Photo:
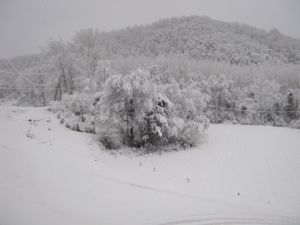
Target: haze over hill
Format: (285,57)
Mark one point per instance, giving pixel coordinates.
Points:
(27,25)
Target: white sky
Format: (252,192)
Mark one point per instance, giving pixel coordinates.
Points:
(26,25)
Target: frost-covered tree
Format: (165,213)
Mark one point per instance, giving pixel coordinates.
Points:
(103,71)
(188,99)
(85,46)
(127,99)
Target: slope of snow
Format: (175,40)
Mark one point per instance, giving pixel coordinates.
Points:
(52,175)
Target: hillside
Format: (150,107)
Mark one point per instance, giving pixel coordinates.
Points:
(203,38)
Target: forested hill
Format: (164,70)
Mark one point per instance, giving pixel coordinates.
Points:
(203,38)
(197,37)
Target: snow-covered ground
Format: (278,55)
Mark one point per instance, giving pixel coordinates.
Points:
(50,175)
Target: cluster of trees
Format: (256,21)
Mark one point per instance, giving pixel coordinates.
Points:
(33,77)
(261,102)
(138,110)
(169,104)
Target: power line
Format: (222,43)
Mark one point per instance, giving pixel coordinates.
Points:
(28,80)
(17,88)
(14,88)
(21,73)
(11,72)
(250,110)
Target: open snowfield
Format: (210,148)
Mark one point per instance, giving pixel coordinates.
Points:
(50,175)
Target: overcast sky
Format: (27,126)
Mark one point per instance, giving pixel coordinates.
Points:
(26,25)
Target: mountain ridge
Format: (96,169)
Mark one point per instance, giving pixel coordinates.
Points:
(201,37)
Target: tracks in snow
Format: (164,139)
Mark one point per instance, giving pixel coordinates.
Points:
(234,221)
(230,220)
(147,187)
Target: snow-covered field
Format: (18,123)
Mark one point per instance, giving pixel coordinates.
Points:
(50,175)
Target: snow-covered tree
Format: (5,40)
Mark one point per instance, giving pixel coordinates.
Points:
(127,99)
(85,46)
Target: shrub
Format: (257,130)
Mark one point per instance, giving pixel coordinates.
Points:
(78,103)
(76,111)
(109,132)
(296,124)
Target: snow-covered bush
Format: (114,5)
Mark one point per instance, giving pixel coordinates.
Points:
(279,121)
(188,133)
(76,111)
(78,103)
(110,132)
(296,124)
(141,112)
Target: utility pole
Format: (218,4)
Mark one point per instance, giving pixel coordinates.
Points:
(41,81)
(64,78)
(58,88)
(260,90)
